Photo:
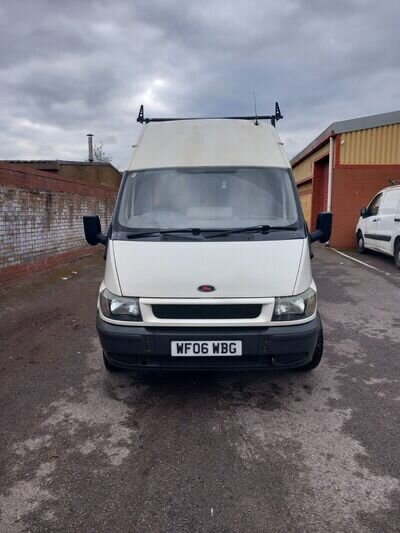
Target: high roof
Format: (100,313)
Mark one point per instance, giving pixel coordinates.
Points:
(208,143)
(346,126)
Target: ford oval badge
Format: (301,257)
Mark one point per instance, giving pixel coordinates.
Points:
(206,288)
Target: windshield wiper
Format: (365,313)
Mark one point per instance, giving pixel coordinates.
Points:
(197,232)
(194,231)
(251,229)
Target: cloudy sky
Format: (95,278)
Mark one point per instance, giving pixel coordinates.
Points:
(72,67)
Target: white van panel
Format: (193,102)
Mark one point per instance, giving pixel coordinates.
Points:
(110,274)
(241,269)
(304,276)
(208,143)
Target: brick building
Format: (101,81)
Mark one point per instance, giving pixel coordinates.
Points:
(342,169)
(41,214)
(90,172)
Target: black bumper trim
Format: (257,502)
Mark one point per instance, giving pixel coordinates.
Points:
(148,348)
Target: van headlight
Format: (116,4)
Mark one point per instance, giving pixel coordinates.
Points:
(295,307)
(119,307)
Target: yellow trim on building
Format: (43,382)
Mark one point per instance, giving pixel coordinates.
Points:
(305,193)
(305,168)
(374,146)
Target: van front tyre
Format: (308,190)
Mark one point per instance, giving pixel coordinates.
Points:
(316,359)
(397,254)
(360,243)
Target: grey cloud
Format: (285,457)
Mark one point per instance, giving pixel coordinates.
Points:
(70,67)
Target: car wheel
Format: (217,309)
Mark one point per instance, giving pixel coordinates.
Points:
(360,243)
(319,350)
(397,254)
(108,366)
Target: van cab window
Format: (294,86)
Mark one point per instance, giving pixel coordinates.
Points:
(374,205)
(390,202)
(207,198)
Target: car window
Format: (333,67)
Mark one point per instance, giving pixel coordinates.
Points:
(374,205)
(390,202)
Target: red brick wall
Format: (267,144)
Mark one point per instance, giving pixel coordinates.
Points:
(41,220)
(354,187)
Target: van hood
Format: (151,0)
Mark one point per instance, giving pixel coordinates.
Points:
(237,269)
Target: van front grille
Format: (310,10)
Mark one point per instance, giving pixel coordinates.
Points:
(206,311)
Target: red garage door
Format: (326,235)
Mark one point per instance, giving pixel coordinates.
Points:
(320,188)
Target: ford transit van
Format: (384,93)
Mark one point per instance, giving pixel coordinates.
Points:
(208,254)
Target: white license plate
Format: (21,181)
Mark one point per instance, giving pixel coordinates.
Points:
(205,348)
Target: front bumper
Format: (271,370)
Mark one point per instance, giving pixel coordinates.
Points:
(136,347)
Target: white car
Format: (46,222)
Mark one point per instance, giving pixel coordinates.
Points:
(379,225)
(208,255)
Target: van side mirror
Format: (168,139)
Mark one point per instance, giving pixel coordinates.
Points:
(92,227)
(364,212)
(324,228)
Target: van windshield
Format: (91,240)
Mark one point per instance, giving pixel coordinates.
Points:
(207,198)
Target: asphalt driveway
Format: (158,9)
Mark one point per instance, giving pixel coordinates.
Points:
(83,451)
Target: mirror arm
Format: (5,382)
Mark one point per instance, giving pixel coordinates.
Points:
(316,235)
(101,238)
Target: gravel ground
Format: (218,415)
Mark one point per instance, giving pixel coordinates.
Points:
(84,451)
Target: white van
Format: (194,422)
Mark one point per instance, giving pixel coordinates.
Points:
(379,225)
(208,254)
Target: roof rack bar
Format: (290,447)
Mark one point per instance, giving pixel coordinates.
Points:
(140,117)
(273,118)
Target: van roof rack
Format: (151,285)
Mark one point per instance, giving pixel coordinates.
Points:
(273,118)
